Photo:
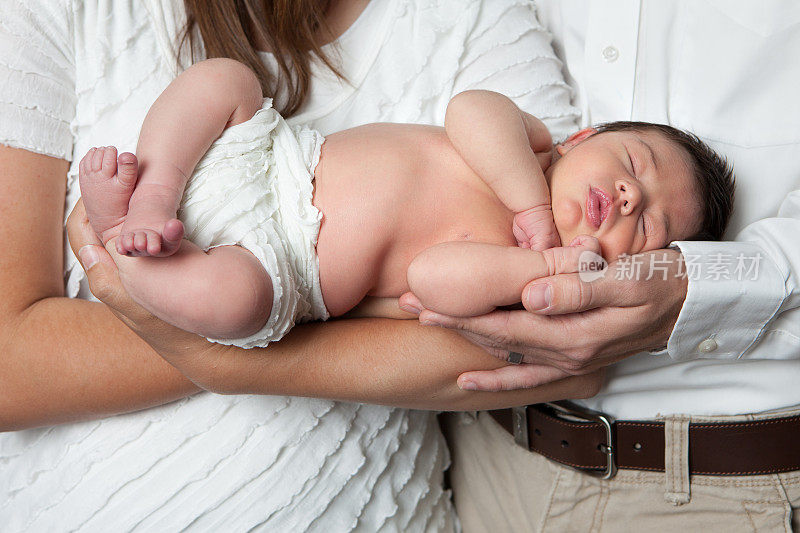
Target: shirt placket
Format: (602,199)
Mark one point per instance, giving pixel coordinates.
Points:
(610,55)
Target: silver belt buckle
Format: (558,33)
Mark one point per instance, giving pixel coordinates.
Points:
(588,415)
(519,421)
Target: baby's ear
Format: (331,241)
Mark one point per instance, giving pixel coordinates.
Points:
(574,140)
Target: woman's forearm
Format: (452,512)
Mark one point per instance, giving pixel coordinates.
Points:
(382,361)
(60,359)
(67,359)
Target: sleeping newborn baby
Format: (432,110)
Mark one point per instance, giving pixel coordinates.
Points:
(234,225)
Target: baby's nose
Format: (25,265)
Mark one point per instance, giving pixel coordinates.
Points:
(628,196)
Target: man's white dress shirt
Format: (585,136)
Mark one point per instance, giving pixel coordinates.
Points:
(729,71)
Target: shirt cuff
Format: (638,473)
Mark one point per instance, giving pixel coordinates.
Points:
(734,290)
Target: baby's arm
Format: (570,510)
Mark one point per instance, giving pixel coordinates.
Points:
(179,128)
(460,278)
(499,142)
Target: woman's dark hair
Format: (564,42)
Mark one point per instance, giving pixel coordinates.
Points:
(230,28)
(712,172)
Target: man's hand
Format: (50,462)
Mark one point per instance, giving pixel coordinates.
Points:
(571,326)
(535,228)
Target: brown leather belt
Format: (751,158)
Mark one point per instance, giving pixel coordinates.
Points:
(595,443)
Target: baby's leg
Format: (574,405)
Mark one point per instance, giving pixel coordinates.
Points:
(463,278)
(181,125)
(224,293)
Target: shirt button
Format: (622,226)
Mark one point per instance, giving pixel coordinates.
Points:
(610,54)
(707,346)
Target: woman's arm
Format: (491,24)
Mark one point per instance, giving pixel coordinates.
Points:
(393,362)
(382,361)
(61,359)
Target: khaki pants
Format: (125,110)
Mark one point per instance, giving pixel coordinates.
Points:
(500,487)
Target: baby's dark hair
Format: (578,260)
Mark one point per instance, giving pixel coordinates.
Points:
(712,172)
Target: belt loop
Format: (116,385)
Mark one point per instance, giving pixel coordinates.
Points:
(467,418)
(676,459)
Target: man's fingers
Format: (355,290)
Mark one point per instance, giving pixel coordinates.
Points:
(478,340)
(567,289)
(583,251)
(539,338)
(494,326)
(623,283)
(510,377)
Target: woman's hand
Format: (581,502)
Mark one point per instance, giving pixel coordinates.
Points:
(572,326)
(182,349)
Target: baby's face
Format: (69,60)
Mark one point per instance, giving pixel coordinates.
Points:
(634,191)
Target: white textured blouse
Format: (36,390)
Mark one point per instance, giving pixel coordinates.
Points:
(78,74)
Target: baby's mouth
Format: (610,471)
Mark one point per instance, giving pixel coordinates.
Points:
(598,205)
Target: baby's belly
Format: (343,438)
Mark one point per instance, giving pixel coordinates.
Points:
(467,215)
(384,200)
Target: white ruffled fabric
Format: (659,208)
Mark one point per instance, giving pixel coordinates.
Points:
(80,74)
(253,187)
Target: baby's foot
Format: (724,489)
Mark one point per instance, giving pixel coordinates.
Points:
(150,227)
(106,186)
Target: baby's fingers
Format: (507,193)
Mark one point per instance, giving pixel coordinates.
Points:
(588,242)
(569,259)
(545,240)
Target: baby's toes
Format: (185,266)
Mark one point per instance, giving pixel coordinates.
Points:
(154,244)
(109,162)
(128,169)
(125,244)
(140,240)
(86,163)
(173,230)
(119,246)
(97,159)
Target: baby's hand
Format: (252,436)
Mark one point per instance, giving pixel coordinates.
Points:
(535,228)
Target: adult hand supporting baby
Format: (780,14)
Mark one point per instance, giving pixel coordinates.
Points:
(169,341)
(571,326)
